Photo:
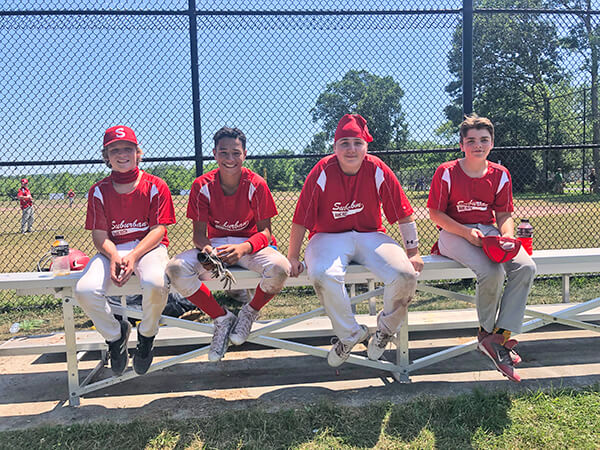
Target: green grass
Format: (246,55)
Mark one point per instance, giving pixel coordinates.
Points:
(554,419)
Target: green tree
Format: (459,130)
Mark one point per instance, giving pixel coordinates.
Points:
(280,174)
(319,145)
(374,97)
(584,38)
(516,71)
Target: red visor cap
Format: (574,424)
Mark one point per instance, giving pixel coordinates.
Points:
(500,249)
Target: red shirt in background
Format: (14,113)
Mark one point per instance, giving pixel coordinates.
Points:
(21,195)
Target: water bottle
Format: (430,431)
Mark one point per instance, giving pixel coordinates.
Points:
(525,235)
(60,257)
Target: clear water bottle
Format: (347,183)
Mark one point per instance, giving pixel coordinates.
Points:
(60,257)
(525,235)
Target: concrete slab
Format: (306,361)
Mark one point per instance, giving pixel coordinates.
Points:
(33,389)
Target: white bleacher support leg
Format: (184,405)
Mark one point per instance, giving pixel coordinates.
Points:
(353,294)
(402,355)
(372,300)
(71,344)
(565,288)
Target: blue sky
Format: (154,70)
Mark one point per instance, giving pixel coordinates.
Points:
(69,78)
(66,79)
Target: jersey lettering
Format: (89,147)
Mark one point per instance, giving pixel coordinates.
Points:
(339,211)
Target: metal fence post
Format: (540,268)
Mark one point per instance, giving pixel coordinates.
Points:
(467,56)
(195,87)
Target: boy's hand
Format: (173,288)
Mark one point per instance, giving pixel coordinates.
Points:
(231,253)
(297,267)
(415,259)
(209,251)
(474,237)
(127,263)
(116,270)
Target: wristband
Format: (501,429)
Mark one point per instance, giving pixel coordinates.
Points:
(258,241)
(409,234)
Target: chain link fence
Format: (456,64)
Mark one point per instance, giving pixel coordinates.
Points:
(284,74)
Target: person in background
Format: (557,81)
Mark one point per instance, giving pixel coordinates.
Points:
(71,196)
(26,202)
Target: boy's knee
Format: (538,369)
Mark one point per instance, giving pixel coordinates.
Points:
(406,281)
(176,269)
(530,269)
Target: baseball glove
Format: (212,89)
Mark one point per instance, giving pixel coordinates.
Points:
(217,268)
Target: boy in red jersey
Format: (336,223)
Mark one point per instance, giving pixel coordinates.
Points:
(340,204)
(231,208)
(26,202)
(128,213)
(471,198)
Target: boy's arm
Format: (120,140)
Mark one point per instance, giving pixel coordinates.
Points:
(108,248)
(444,221)
(412,253)
(231,253)
(200,238)
(506,224)
(296,238)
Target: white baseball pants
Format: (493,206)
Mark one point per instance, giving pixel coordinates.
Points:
(26,219)
(494,308)
(327,256)
(186,273)
(91,289)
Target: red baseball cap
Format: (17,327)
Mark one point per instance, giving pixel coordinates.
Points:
(119,133)
(24,180)
(353,126)
(500,249)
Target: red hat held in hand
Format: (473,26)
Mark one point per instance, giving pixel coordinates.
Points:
(353,126)
(119,133)
(500,249)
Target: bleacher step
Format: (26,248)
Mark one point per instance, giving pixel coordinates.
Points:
(89,340)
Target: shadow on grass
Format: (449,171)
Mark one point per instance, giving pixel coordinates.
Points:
(444,423)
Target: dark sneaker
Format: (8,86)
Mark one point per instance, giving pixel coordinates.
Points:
(492,347)
(144,352)
(510,344)
(220,341)
(118,350)
(340,352)
(378,343)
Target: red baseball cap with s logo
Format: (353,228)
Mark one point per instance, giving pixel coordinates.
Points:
(119,133)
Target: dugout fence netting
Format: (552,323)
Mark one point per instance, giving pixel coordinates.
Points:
(284,75)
